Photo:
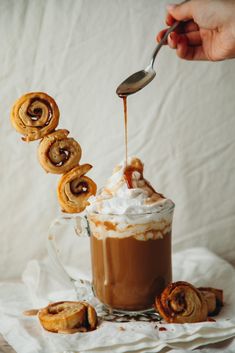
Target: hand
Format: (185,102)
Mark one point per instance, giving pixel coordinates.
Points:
(207,31)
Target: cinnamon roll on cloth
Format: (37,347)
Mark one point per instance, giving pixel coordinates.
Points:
(35,115)
(68,317)
(75,188)
(57,153)
(182,303)
(214,299)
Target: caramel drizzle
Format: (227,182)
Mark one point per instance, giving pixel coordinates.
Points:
(210,319)
(128,171)
(125,126)
(162,329)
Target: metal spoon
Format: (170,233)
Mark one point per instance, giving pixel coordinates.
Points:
(140,79)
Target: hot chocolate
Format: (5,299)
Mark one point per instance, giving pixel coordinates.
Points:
(130,226)
(128,273)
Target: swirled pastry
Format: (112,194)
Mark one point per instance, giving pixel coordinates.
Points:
(181,302)
(57,153)
(68,317)
(75,188)
(35,115)
(214,299)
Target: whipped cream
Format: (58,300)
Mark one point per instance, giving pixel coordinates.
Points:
(117,197)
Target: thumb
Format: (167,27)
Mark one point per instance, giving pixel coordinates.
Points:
(181,12)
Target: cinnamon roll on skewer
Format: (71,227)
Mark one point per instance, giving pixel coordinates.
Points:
(57,153)
(35,115)
(75,188)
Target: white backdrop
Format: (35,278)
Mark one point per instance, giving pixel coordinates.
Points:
(182,125)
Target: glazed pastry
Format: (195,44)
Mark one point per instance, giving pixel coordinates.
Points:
(181,302)
(57,153)
(214,299)
(35,115)
(74,189)
(91,316)
(210,301)
(68,317)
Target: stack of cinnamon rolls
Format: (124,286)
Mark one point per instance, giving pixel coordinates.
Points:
(36,116)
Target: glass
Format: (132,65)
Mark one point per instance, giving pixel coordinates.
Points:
(130,257)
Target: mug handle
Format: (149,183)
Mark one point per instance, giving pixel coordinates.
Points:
(81,228)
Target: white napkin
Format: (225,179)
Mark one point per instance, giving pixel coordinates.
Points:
(42,284)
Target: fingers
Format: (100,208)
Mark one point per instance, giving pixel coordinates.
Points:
(193,39)
(170,20)
(190,26)
(186,39)
(187,27)
(181,12)
(187,52)
(188,46)
(161,35)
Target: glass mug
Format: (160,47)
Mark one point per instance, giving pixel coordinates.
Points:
(130,256)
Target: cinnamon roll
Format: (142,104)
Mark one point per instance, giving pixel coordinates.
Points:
(35,115)
(181,302)
(214,299)
(75,188)
(57,153)
(68,317)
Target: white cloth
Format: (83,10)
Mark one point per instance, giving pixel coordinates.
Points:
(42,283)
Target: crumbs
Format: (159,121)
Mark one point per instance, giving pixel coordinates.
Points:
(121,328)
(162,329)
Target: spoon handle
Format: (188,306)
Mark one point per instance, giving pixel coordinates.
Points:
(158,47)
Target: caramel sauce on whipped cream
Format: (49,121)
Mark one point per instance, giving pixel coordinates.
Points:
(128,192)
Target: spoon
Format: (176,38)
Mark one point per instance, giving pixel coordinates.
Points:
(140,79)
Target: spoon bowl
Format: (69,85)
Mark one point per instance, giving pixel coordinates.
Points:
(140,79)
(136,82)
